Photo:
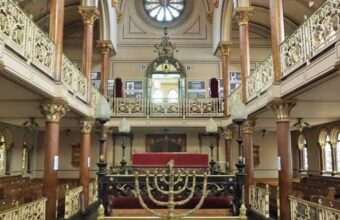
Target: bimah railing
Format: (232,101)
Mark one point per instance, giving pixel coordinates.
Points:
(93,192)
(28,211)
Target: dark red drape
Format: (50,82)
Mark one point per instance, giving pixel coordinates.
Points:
(214,88)
(119,88)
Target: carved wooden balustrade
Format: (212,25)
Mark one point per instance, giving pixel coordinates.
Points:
(317,33)
(142,107)
(306,210)
(72,201)
(25,38)
(74,80)
(235,95)
(28,211)
(259,200)
(29,42)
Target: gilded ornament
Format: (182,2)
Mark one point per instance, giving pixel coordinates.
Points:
(89,14)
(104,46)
(248,126)
(86,125)
(54,110)
(282,108)
(228,134)
(243,15)
(224,47)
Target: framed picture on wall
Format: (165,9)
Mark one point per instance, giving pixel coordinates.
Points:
(134,89)
(235,80)
(196,89)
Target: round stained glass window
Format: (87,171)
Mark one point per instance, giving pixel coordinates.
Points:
(164,11)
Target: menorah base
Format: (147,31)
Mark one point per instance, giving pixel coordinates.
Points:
(144,213)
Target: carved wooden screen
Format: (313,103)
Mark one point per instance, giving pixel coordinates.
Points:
(165,143)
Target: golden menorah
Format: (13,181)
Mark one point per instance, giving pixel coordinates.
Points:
(175,182)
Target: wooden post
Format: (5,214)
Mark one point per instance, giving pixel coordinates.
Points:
(281,109)
(89,15)
(57,34)
(248,128)
(277,35)
(242,15)
(224,47)
(228,137)
(53,111)
(85,142)
(104,46)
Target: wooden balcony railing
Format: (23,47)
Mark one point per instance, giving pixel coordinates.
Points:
(318,32)
(132,107)
(29,42)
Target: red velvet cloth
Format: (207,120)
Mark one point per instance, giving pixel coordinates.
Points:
(216,202)
(214,88)
(119,88)
(161,159)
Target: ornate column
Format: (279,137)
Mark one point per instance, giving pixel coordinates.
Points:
(85,143)
(104,46)
(277,35)
(228,137)
(89,15)
(281,109)
(248,128)
(53,111)
(322,153)
(242,15)
(224,47)
(57,34)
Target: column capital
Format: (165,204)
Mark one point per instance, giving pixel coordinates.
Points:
(224,47)
(281,108)
(86,125)
(89,14)
(243,14)
(248,126)
(104,46)
(53,110)
(228,134)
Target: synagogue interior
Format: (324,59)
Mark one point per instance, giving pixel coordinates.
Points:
(169,109)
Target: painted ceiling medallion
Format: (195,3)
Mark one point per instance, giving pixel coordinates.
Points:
(164,11)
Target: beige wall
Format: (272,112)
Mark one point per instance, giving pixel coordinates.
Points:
(17,134)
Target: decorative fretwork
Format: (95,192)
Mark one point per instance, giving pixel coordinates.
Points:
(261,79)
(129,106)
(95,95)
(235,95)
(14,26)
(166,107)
(93,192)
(28,211)
(72,201)
(43,51)
(259,200)
(306,210)
(74,80)
(317,33)
(204,107)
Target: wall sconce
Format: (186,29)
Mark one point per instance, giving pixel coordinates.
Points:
(119,13)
